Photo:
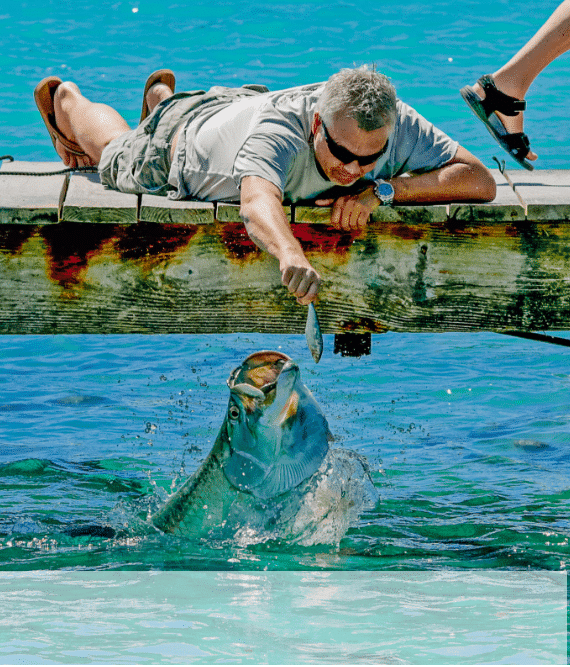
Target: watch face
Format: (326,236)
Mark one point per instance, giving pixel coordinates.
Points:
(385,190)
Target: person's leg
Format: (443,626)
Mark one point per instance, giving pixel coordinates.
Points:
(515,77)
(92,126)
(162,82)
(551,41)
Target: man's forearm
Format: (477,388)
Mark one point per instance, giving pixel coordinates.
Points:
(464,178)
(453,182)
(267,226)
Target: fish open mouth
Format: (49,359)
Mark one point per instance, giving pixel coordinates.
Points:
(260,370)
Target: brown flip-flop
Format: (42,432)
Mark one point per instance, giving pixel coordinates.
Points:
(43,94)
(165,76)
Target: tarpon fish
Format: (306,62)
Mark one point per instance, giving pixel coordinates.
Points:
(270,473)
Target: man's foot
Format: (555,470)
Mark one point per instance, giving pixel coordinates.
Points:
(160,85)
(156,94)
(501,114)
(66,147)
(513,124)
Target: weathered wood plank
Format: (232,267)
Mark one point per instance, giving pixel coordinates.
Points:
(546,193)
(153,278)
(164,210)
(230,212)
(456,267)
(505,207)
(390,214)
(30,199)
(411,214)
(87,200)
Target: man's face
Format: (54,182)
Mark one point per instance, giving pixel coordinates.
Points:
(345,139)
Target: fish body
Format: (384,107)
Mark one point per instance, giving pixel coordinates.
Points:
(270,473)
(313,334)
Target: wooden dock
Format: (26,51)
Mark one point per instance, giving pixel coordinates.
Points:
(78,258)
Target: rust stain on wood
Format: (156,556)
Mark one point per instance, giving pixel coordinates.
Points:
(69,248)
(237,244)
(406,232)
(150,240)
(207,278)
(312,237)
(364,324)
(68,253)
(318,238)
(13,237)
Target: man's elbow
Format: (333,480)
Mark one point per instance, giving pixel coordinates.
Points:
(484,187)
(477,181)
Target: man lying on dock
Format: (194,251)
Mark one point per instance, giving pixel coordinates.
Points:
(264,148)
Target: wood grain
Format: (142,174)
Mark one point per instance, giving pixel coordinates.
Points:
(155,278)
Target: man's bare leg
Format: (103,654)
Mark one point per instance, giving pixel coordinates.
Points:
(91,125)
(515,77)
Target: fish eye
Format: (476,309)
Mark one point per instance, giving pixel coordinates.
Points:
(233,412)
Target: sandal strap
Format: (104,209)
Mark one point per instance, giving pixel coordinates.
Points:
(71,146)
(495,100)
(518,143)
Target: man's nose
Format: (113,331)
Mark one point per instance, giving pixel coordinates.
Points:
(357,170)
(354,168)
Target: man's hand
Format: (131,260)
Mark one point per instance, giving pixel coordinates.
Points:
(351,212)
(301,280)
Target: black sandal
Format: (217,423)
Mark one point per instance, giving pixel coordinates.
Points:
(517,144)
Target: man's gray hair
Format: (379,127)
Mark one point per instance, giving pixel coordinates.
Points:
(361,93)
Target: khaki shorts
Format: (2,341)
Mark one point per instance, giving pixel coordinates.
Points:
(138,161)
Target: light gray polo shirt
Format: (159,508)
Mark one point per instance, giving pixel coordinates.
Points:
(269,135)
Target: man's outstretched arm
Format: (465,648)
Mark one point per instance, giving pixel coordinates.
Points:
(267,226)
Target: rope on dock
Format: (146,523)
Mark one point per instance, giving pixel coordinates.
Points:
(67,170)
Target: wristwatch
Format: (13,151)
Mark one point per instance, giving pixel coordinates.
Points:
(383,191)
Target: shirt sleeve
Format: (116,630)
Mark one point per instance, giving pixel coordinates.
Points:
(418,146)
(270,148)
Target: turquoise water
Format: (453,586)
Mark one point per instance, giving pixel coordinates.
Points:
(466,434)
(467,438)
(284,618)
(467,441)
(430,50)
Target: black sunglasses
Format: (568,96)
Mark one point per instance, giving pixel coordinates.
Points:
(345,156)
